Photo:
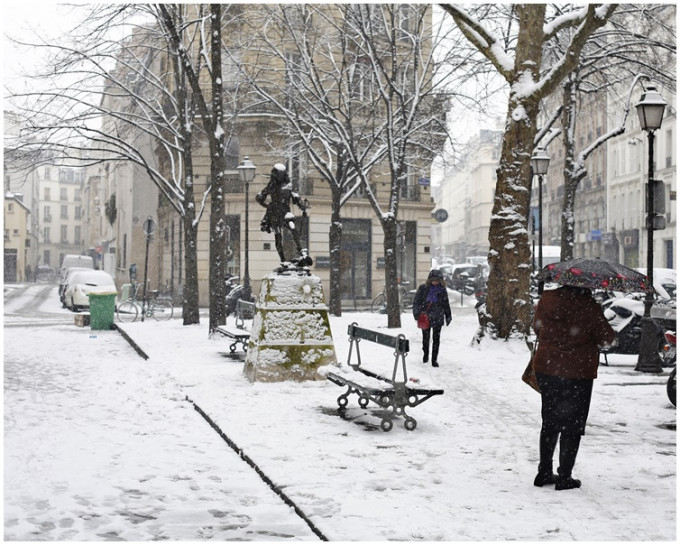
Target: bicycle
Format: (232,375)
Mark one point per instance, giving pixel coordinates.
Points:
(160,309)
(406,296)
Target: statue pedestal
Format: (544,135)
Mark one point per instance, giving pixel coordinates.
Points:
(291,335)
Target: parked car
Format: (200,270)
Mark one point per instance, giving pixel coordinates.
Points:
(66,277)
(87,281)
(461,276)
(664,282)
(45,273)
(70,261)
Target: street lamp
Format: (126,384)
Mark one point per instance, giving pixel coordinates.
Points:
(246,172)
(650,111)
(539,165)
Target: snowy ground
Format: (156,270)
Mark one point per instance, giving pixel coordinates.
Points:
(101,444)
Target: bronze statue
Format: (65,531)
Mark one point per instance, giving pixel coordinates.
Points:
(279,215)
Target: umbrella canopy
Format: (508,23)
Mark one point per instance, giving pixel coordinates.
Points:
(596,274)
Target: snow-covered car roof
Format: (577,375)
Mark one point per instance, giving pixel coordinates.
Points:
(89,276)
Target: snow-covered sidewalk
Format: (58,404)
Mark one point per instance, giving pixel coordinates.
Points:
(151,467)
(100,446)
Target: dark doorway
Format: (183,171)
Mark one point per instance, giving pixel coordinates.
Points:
(355,259)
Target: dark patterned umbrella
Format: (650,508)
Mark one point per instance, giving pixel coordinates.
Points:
(594,274)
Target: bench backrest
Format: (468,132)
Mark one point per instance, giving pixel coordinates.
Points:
(399,343)
(245,306)
(245,310)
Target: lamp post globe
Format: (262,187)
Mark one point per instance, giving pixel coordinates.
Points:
(539,165)
(540,161)
(650,111)
(246,172)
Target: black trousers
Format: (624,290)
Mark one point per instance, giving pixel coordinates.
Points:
(565,404)
(436,333)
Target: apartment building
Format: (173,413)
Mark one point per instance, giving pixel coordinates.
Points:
(467,194)
(16,240)
(257,133)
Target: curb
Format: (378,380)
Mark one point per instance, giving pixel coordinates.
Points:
(133,344)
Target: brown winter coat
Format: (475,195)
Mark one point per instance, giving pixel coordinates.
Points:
(570,326)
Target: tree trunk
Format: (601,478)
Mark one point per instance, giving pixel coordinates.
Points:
(334,247)
(389,225)
(190,297)
(218,239)
(508,300)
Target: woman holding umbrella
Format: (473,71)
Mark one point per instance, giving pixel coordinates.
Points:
(570,327)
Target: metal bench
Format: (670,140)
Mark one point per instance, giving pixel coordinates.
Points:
(388,393)
(245,310)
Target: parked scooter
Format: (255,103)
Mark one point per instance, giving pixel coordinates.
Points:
(625,315)
(234,291)
(669,359)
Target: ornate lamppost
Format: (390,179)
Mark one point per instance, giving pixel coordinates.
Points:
(539,165)
(246,172)
(650,111)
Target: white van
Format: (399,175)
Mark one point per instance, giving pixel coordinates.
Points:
(70,261)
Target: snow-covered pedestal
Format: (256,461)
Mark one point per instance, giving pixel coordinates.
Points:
(291,335)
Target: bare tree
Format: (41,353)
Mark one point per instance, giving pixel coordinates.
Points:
(518,58)
(636,42)
(360,92)
(102,100)
(217,129)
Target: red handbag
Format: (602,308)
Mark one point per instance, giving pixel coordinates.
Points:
(424,319)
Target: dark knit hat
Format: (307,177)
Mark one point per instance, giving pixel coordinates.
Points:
(435,273)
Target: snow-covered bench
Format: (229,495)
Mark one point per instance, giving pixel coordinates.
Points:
(245,310)
(388,393)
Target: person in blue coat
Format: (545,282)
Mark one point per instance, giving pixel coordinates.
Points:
(432,299)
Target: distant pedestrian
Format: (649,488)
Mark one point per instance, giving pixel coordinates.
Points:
(570,327)
(28,273)
(433,300)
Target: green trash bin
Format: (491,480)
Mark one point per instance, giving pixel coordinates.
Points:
(102,309)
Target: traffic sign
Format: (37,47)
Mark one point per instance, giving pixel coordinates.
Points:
(149,227)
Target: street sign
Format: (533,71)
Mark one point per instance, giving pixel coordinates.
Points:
(424,181)
(595,234)
(440,215)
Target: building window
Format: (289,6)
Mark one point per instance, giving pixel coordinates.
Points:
(64,211)
(76,194)
(10,207)
(47,194)
(46,234)
(76,234)
(63,194)
(64,233)
(77,212)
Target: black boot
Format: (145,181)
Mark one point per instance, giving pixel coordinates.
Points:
(546,449)
(569,445)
